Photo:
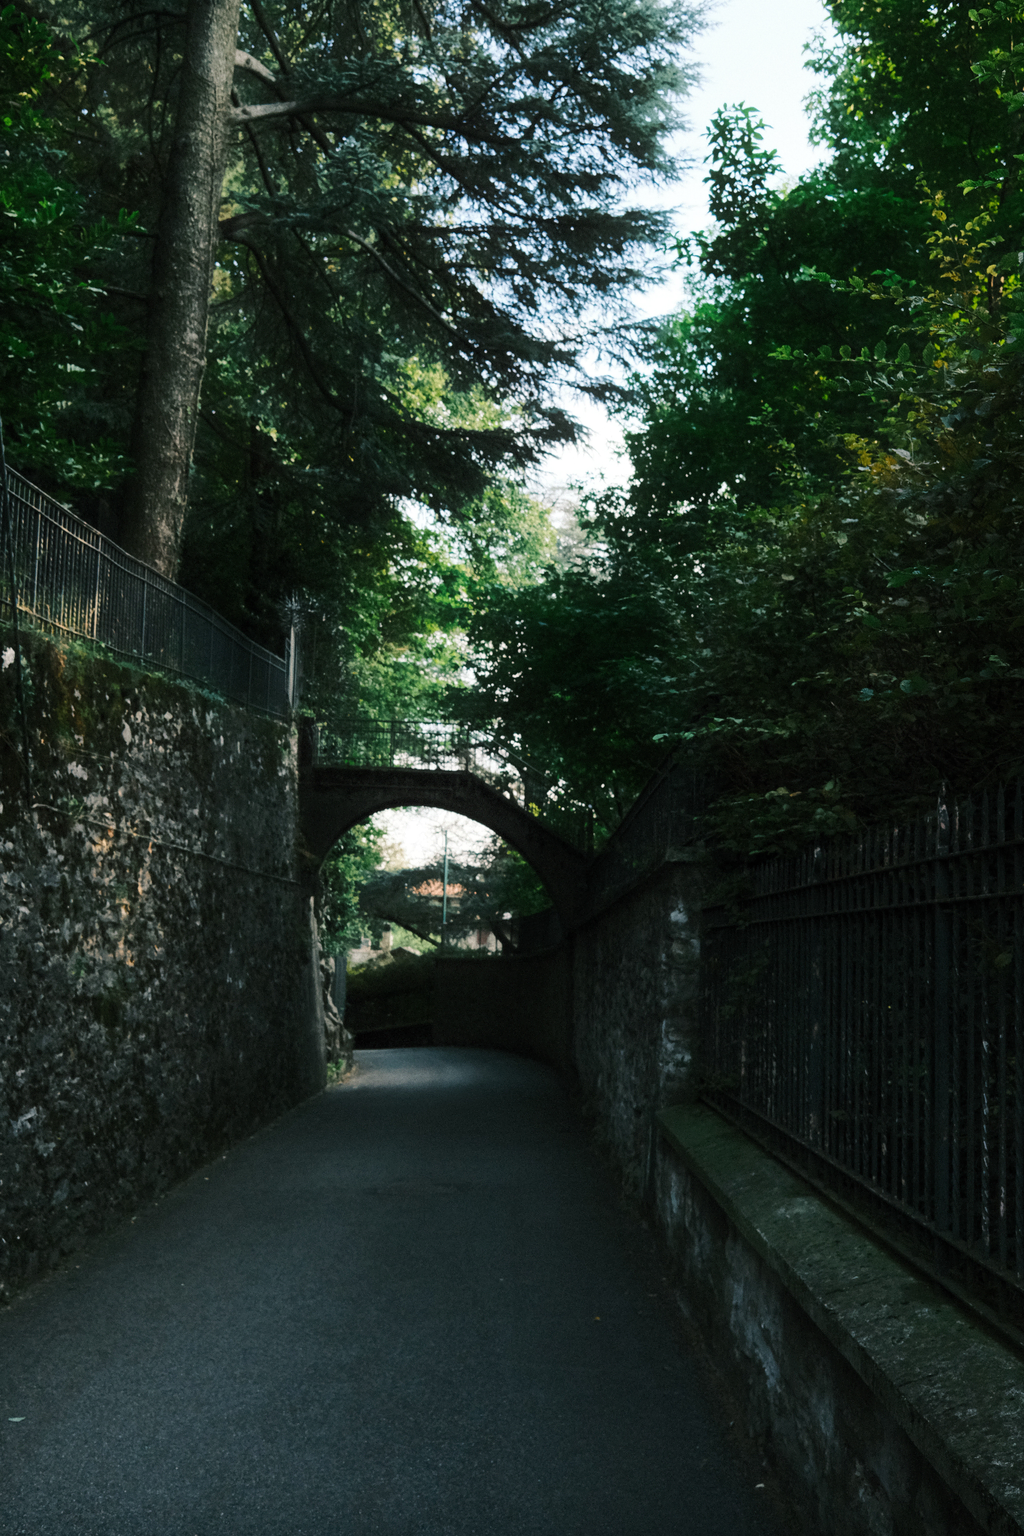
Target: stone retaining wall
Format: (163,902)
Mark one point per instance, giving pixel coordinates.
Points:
(516,1003)
(159,996)
(882,1401)
(634,970)
(884,1406)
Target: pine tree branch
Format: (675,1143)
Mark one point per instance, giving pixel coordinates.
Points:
(401,283)
(294,329)
(424,21)
(233,229)
(265,27)
(266,111)
(253,66)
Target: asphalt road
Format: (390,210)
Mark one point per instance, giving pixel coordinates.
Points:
(411,1307)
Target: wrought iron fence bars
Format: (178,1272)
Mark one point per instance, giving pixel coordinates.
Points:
(74,581)
(883,1042)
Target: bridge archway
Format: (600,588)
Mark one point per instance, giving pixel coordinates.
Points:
(332,799)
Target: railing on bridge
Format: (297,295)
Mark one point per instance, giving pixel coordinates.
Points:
(74,581)
(863,1014)
(356,742)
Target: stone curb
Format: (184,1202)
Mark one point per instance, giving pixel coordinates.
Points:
(953,1388)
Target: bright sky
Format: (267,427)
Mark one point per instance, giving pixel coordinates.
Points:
(420,834)
(752,52)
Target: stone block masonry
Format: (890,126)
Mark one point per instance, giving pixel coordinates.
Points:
(159,991)
(897,1410)
(634,969)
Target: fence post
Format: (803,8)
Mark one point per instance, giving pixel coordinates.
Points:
(96,593)
(35,566)
(942,963)
(292,663)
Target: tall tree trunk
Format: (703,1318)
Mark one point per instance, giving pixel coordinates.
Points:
(166,411)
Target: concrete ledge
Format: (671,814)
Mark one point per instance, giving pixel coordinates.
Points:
(954,1390)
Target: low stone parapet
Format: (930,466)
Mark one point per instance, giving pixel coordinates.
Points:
(886,1403)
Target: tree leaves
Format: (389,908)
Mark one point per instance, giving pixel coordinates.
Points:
(822,545)
(56,333)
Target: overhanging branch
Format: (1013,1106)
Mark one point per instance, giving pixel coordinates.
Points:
(263,22)
(294,329)
(234,229)
(253,66)
(267,111)
(400,281)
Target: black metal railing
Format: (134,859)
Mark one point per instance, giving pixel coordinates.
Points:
(863,1012)
(357,742)
(74,581)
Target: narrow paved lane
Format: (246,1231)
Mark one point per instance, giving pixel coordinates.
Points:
(410,1307)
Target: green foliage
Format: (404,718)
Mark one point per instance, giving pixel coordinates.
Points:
(916,94)
(812,588)
(513,885)
(738,181)
(784,269)
(384,630)
(55,329)
(909,100)
(403,271)
(404,938)
(353,859)
(479,896)
(563,670)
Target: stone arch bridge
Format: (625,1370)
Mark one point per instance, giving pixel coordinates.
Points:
(349,770)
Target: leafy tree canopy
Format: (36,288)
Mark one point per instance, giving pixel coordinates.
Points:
(483,894)
(425,210)
(359,893)
(812,586)
(55,333)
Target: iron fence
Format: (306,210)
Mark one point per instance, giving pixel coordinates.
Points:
(74,581)
(863,1012)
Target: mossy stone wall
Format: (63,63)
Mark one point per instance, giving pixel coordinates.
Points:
(159,993)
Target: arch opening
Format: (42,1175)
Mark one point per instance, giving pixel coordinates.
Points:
(334,799)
